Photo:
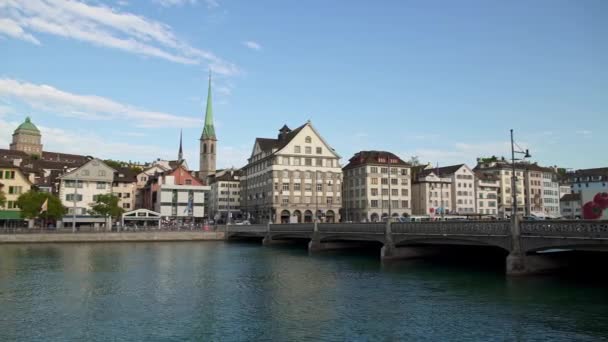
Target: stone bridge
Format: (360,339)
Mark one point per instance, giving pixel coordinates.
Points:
(412,239)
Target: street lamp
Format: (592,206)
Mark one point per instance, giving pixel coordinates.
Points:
(515,223)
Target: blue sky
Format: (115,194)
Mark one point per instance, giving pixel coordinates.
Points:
(442,80)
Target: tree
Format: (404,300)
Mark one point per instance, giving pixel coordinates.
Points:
(106,205)
(31,204)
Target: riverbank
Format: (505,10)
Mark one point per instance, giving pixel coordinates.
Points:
(110,237)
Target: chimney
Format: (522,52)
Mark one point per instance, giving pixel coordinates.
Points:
(283,132)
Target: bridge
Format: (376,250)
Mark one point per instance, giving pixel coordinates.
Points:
(525,242)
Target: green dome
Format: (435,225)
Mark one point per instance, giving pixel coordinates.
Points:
(27,127)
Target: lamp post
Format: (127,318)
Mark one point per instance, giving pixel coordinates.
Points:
(514,219)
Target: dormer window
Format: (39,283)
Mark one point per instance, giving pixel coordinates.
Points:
(308,140)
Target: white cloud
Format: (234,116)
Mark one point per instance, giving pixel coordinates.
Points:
(459,153)
(88,107)
(103,26)
(252,45)
(172,3)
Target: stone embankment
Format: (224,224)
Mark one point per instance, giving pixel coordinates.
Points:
(110,237)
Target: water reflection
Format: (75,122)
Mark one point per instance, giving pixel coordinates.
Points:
(243,292)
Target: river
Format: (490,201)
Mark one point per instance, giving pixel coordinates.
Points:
(218,291)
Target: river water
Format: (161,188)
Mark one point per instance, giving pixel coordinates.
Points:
(245,292)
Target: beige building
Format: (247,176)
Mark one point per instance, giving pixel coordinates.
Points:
(462,188)
(371,192)
(431,194)
(124,187)
(27,138)
(290,178)
(225,195)
(487,187)
(79,187)
(12,183)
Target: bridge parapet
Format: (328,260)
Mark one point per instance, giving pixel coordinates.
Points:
(254,228)
(453,228)
(293,227)
(571,228)
(374,228)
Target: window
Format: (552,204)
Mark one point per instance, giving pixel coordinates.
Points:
(296,161)
(405,204)
(319,150)
(384,170)
(126,195)
(16,190)
(308,140)
(374,181)
(394,181)
(70,197)
(330,200)
(296,186)
(188,181)
(9,174)
(394,192)
(285,160)
(384,192)
(285,201)
(285,174)
(374,192)
(285,186)
(373,169)
(101,173)
(404,172)
(307,186)
(101,185)
(126,205)
(85,172)
(374,203)
(404,192)
(296,149)
(395,204)
(319,187)
(307,161)
(319,162)
(308,150)
(384,181)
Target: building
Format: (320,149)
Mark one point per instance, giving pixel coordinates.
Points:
(79,187)
(124,187)
(570,206)
(592,186)
(208,144)
(487,187)
(27,138)
(462,188)
(370,192)
(13,182)
(225,195)
(431,193)
(292,177)
(176,195)
(551,193)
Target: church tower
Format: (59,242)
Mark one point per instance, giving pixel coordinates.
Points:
(208,147)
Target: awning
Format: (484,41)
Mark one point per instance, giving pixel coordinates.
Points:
(10,215)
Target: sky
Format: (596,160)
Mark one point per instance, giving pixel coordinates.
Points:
(441,80)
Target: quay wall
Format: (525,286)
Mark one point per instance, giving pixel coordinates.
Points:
(110,237)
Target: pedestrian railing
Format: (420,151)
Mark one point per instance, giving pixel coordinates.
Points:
(561,228)
(293,227)
(454,227)
(374,228)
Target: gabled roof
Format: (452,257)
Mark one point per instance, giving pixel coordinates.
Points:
(575,196)
(372,158)
(125,175)
(447,170)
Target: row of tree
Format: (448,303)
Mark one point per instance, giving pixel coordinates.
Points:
(32,205)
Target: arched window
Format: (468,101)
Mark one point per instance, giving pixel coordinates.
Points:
(308,140)
(204,148)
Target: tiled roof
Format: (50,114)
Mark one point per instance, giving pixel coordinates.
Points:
(601,171)
(372,158)
(128,175)
(268,144)
(447,170)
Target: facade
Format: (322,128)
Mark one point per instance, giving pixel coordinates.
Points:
(176,195)
(370,191)
(534,191)
(501,169)
(487,187)
(13,183)
(462,187)
(208,144)
(591,185)
(431,194)
(551,195)
(79,187)
(564,189)
(225,195)
(125,188)
(27,138)
(570,206)
(292,177)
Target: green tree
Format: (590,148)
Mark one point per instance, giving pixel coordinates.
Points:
(115,164)
(106,205)
(31,205)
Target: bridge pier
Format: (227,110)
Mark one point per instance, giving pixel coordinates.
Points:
(520,264)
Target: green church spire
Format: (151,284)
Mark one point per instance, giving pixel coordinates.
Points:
(209,130)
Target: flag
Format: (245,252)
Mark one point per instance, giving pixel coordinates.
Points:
(45,206)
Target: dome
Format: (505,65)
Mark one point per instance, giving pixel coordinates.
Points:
(27,127)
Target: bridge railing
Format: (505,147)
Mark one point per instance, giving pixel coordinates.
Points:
(453,227)
(570,228)
(293,227)
(254,228)
(374,228)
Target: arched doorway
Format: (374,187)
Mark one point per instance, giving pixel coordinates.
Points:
(307,216)
(285,216)
(330,217)
(374,217)
(384,217)
(298,215)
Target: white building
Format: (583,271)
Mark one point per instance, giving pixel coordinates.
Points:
(570,206)
(431,194)
(370,191)
(463,187)
(125,187)
(289,178)
(551,194)
(225,195)
(487,187)
(590,184)
(79,188)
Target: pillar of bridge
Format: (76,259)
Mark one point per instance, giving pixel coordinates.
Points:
(521,264)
